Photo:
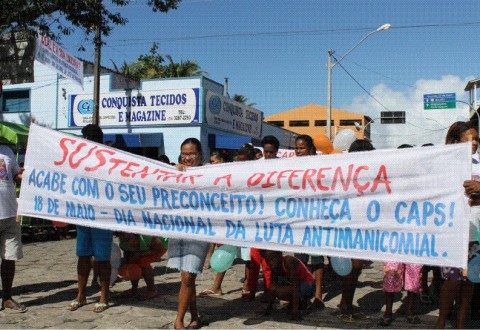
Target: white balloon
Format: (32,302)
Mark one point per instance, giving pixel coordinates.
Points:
(344,139)
(115,256)
(115,261)
(113,276)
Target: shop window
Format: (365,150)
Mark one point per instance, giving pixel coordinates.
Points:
(299,123)
(392,117)
(16,101)
(323,123)
(279,123)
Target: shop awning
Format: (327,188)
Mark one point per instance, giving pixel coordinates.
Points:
(13,133)
(134,140)
(218,141)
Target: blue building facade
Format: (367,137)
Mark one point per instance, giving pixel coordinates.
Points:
(149,118)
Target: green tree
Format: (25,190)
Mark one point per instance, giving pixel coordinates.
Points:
(124,69)
(151,66)
(57,17)
(183,69)
(147,66)
(242,99)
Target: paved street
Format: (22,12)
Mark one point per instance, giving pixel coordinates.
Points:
(46,282)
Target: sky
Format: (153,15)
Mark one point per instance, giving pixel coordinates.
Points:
(274,52)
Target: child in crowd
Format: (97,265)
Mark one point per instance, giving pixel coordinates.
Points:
(291,281)
(139,252)
(395,276)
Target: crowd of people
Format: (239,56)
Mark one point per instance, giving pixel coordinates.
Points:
(295,279)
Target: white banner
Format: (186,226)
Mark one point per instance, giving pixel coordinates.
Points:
(406,205)
(224,113)
(175,106)
(50,53)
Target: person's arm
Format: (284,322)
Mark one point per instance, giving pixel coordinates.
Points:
(472,190)
(206,265)
(291,265)
(270,297)
(474,201)
(18,176)
(472,187)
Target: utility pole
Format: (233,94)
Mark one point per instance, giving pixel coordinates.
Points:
(329,94)
(331,64)
(96,76)
(97,64)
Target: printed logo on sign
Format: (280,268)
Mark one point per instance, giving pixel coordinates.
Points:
(85,107)
(215,104)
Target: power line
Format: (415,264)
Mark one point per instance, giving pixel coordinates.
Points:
(245,34)
(360,85)
(380,103)
(287,33)
(380,74)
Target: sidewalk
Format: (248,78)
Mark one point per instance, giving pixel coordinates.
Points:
(46,282)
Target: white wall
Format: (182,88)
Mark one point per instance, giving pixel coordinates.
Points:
(424,126)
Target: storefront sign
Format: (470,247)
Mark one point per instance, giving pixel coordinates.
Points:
(176,106)
(387,205)
(224,113)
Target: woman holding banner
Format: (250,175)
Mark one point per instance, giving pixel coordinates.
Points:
(188,256)
(456,282)
(304,147)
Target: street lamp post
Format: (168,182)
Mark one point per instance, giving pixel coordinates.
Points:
(331,65)
(359,127)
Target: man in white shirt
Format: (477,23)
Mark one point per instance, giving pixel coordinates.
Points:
(10,231)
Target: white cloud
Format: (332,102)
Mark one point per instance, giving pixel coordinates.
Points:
(422,126)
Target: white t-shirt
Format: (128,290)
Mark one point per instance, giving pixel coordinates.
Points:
(8,169)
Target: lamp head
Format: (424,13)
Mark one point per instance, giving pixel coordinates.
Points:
(384,27)
(358,126)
